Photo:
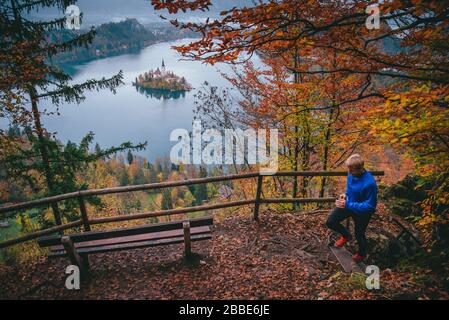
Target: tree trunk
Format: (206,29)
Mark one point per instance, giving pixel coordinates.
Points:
(328,129)
(44,153)
(296,80)
(326,152)
(38,126)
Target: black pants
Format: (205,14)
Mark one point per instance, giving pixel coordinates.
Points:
(360,220)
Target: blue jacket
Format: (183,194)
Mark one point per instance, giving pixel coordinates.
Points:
(361,193)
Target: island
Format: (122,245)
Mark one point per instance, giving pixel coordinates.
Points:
(162,79)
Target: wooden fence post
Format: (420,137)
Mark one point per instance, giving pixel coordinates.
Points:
(74,256)
(84,217)
(80,195)
(187,244)
(57,214)
(258,192)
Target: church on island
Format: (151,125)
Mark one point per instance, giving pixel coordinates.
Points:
(162,79)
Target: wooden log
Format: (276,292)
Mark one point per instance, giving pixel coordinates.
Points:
(84,216)
(171,184)
(142,187)
(56,213)
(128,231)
(319,173)
(160,185)
(187,243)
(85,262)
(257,200)
(132,245)
(38,234)
(86,222)
(73,255)
(345,259)
(118,218)
(170,212)
(133,239)
(296,200)
(39,202)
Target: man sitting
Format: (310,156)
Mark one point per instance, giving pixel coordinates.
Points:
(359,202)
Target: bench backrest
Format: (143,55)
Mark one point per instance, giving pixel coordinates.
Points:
(122,232)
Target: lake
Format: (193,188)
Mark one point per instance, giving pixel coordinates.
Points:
(131,115)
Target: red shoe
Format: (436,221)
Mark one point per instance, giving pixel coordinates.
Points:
(357,258)
(341,242)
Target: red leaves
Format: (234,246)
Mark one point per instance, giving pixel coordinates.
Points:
(173,6)
(283,257)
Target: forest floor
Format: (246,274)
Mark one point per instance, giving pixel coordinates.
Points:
(283,256)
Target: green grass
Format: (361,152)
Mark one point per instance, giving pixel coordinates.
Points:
(148,200)
(12,231)
(197,214)
(7,233)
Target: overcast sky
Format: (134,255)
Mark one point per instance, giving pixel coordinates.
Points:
(102,11)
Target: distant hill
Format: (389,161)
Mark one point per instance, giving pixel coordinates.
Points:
(114,39)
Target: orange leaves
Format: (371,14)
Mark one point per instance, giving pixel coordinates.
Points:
(230,56)
(215,32)
(174,5)
(336,63)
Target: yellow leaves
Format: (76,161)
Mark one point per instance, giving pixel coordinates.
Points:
(394,98)
(443,199)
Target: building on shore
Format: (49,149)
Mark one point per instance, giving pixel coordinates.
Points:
(162,79)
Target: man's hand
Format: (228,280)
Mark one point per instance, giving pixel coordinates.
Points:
(340,203)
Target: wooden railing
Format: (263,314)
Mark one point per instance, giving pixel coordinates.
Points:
(86,222)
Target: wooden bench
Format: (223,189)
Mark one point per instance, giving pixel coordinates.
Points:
(78,246)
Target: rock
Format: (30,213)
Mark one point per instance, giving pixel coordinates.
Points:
(388,250)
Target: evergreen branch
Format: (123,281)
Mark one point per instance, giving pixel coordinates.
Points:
(83,40)
(74,93)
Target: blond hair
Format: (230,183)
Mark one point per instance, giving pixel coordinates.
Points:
(355,161)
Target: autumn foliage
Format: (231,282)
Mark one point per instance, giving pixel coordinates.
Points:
(350,85)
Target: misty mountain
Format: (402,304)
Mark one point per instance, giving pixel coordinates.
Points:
(114,38)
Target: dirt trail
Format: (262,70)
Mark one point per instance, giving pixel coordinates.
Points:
(283,256)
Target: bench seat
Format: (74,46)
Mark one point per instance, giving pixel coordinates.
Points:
(132,242)
(78,246)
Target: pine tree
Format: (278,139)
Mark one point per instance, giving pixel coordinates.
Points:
(124,177)
(130,157)
(167,202)
(27,51)
(201,189)
(139,177)
(97,148)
